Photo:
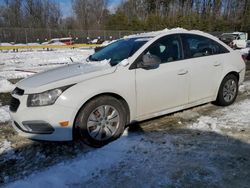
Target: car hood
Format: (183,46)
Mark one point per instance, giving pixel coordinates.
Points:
(66,75)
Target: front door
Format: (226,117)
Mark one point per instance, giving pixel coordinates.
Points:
(164,87)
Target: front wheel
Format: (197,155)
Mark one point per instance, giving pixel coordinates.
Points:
(228,91)
(101,121)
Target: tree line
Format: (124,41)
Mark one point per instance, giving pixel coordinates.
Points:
(139,15)
(30,14)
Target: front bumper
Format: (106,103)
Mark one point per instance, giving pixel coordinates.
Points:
(42,123)
(35,127)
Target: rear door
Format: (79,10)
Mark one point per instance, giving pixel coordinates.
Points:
(204,58)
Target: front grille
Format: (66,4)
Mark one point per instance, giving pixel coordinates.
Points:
(18,91)
(14,104)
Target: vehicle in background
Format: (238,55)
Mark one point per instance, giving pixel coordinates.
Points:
(240,41)
(227,38)
(95,41)
(60,41)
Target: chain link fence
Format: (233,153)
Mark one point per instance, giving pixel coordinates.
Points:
(32,35)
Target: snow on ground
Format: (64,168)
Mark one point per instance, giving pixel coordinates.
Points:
(236,116)
(82,167)
(5,44)
(22,64)
(5,86)
(244,50)
(245,87)
(5,148)
(129,159)
(145,160)
(4,114)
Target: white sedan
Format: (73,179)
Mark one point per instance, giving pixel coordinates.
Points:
(133,79)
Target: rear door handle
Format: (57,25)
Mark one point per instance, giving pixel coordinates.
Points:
(216,64)
(182,72)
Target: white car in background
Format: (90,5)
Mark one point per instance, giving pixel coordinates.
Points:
(60,41)
(240,40)
(132,79)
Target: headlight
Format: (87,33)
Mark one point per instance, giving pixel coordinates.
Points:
(46,98)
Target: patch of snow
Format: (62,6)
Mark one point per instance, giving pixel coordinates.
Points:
(245,87)
(81,168)
(4,114)
(4,147)
(5,86)
(13,74)
(24,64)
(102,64)
(244,51)
(20,44)
(5,44)
(235,116)
(205,123)
(57,43)
(7,151)
(33,44)
(155,33)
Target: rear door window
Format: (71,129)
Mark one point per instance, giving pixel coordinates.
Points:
(199,46)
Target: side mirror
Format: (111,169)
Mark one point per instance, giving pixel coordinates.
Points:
(150,61)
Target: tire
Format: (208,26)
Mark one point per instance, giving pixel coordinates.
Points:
(100,121)
(228,91)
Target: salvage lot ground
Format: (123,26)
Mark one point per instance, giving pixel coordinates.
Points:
(203,146)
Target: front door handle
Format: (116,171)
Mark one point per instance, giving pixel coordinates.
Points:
(182,72)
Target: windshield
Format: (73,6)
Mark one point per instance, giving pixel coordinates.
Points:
(119,50)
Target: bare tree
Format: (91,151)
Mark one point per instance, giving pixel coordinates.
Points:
(41,13)
(12,13)
(89,13)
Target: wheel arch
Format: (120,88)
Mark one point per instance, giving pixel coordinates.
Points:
(120,98)
(229,73)
(233,73)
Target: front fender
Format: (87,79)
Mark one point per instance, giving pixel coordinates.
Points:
(121,83)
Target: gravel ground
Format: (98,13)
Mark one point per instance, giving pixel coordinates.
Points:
(226,164)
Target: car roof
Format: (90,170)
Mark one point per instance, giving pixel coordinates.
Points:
(164,32)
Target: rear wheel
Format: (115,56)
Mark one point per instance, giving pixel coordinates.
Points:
(228,91)
(101,121)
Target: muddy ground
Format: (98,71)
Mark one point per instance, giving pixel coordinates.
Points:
(227,154)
